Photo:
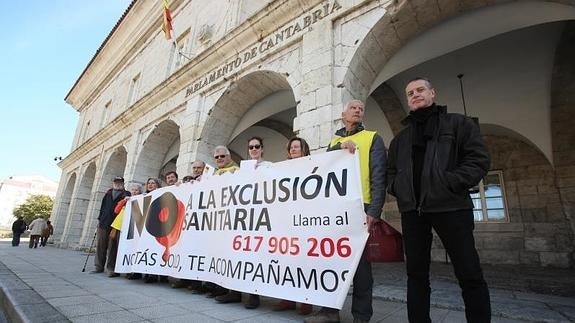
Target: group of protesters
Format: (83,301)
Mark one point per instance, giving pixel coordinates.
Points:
(40,230)
(430,167)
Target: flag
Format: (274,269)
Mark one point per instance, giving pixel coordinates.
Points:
(167,25)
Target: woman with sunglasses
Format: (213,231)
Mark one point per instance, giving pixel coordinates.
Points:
(296,148)
(256,151)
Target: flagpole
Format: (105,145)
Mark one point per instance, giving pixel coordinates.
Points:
(168,28)
(178,49)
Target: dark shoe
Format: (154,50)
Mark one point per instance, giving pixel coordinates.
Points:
(113,274)
(97,271)
(151,279)
(197,289)
(284,305)
(163,279)
(323,316)
(134,276)
(230,297)
(177,283)
(253,302)
(218,291)
(193,284)
(305,309)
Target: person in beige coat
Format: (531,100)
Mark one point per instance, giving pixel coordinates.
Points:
(36,228)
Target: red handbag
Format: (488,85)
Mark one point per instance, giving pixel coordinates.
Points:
(384,244)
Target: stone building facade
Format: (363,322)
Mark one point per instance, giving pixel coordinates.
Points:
(276,68)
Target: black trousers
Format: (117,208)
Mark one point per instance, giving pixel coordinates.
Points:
(34,240)
(455,229)
(361,300)
(362,297)
(15,238)
(112,252)
(102,236)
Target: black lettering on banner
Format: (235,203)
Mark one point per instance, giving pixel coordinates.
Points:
(340,187)
(138,219)
(244,201)
(284,189)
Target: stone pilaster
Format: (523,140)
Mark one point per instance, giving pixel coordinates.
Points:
(563,132)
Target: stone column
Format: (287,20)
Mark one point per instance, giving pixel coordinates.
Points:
(314,111)
(563,132)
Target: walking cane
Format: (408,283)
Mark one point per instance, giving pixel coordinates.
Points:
(89,250)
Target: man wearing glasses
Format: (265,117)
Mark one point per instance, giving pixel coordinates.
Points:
(371,149)
(224,162)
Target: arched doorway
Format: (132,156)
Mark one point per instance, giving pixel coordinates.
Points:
(259,104)
(114,166)
(60,216)
(159,152)
(79,207)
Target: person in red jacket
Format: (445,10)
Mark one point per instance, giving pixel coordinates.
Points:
(114,238)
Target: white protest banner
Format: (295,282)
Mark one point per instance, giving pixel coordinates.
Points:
(295,230)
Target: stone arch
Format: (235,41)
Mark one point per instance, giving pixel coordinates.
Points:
(442,48)
(60,216)
(405,20)
(115,165)
(249,106)
(79,207)
(562,116)
(390,104)
(159,152)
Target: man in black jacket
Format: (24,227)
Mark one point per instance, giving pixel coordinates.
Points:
(105,219)
(432,164)
(18,227)
(371,150)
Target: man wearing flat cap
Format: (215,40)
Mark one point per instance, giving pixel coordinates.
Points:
(105,219)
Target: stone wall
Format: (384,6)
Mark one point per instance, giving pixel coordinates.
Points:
(538,232)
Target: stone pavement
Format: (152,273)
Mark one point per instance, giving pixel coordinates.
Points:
(47,285)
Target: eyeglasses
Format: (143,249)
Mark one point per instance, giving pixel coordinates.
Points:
(219,156)
(254,147)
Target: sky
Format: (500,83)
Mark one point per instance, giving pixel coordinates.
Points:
(45,46)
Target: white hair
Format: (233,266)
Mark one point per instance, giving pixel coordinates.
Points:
(221,147)
(347,105)
(137,186)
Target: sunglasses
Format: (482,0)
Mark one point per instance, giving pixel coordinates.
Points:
(219,156)
(254,147)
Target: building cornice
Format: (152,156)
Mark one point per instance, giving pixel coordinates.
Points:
(137,25)
(267,20)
